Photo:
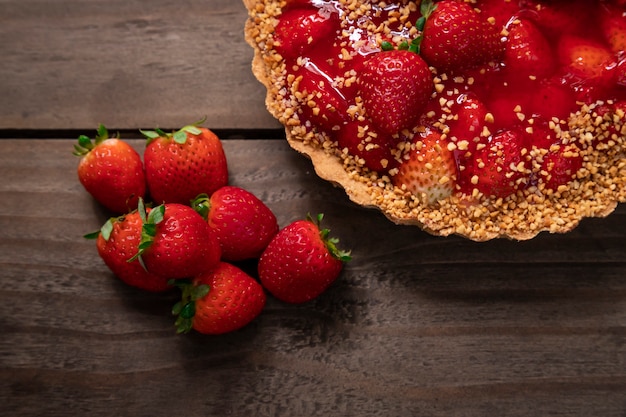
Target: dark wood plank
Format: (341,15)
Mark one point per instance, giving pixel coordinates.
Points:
(416,325)
(73,64)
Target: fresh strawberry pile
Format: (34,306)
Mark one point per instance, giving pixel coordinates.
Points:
(479,117)
(177,223)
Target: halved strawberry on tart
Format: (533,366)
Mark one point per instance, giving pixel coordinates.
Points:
(483,118)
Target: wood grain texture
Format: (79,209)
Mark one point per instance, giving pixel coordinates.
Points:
(415,326)
(71,64)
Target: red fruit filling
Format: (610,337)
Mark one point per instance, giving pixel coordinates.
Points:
(507,84)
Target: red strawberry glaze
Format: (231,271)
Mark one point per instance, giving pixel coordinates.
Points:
(546,67)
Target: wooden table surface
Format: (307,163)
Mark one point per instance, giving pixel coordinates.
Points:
(415,326)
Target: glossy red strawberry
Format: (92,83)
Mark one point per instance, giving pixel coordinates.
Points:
(588,67)
(323,105)
(242,223)
(302,28)
(117,242)
(428,170)
(217,302)
(111,171)
(470,118)
(558,17)
(456,36)
(176,242)
(499,166)
(502,11)
(395,87)
(527,51)
(560,166)
(181,165)
(301,262)
(613,27)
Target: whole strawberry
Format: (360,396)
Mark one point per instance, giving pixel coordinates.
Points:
(455,36)
(111,171)
(181,165)
(117,242)
(242,223)
(395,86)
(220,301)
(301,262)
(176,242)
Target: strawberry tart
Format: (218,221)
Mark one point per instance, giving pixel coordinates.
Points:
(482,118)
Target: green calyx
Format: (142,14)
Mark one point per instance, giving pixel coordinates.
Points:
(148,229)
(427,7)
(185,309)
(105,230)
(179,136)
(330,242)
(202,205)
(86,144)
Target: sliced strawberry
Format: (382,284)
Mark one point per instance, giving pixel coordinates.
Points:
(509,104)
(551,98)
(499,168)
(560,167)
(527,52)
(372,148)
(469,121)
(588,67)
(323,105)
(299,29)
(428,170)
(456,36)
(556,17)
(502,11)
(540,134)
(395,87)
(613,27)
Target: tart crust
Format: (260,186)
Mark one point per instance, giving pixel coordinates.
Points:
(596,193)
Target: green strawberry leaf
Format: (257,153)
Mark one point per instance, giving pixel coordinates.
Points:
(427,7)
(107,228)
(179,136)
(156,215)
(193,129)
(92,235)
(199,291)
(202,205)
(148,229)
(185,309)
(330,242)
(150,134)
(188,310)
(103,133)
(177,308)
